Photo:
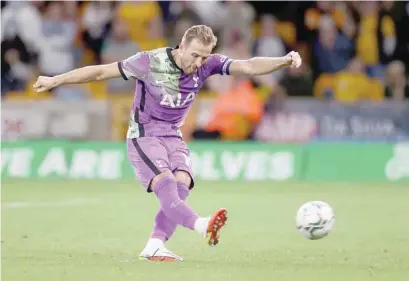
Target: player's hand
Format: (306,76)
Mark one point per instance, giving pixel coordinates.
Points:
(294,59)
(45,83)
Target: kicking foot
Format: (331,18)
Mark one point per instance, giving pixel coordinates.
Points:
(160,254)
(216,222)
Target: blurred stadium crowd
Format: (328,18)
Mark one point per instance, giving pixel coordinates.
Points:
(352,51)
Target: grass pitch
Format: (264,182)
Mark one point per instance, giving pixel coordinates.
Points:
(93,230)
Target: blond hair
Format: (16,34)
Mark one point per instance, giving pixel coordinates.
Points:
(202,33)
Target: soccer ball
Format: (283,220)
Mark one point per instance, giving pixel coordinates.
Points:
(315,219)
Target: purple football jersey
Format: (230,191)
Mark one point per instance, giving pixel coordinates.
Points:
(164,93)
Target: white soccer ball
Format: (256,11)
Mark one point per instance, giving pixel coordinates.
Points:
(315,219)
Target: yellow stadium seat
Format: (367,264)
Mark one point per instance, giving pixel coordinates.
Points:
(153,44)
(339,17)
(120,107)
(256,29)
(97,89)
(31,94)
(16,95)
(323,83)
(312,18)
(264,92)
(353,87)
(376,91)
(138,15)
(88,57)
(287,32)
(24,95)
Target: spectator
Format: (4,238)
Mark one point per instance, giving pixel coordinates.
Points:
(97,21)
(270,45)
(236,120)
(19,72)
(211,13)
(58,35)
(71,92)
(14,60)
(23,19)
(400,14)
(119,46)
(396,84)
(179,30)
(239,50)
(142,16)
(165,7)
(156,31)
(376,41)
(332,51)
(353,84)
(314,15)
(339,14)
(237,22)
(186,10)
(15,52)
(298,82)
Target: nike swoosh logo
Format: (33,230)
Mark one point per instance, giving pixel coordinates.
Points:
(160,82)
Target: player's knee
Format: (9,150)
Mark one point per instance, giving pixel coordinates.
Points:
(183,177)
(161,176)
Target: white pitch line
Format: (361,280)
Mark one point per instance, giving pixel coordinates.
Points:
(64,203)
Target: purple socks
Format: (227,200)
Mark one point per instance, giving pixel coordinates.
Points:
(173,209)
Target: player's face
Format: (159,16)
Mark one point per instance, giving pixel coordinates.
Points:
(194,55)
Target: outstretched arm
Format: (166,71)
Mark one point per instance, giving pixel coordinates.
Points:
(77,76)
(264,65)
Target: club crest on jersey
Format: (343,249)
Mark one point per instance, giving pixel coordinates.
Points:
(196,79)
(176,100)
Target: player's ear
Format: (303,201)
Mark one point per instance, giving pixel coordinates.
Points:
(182,46)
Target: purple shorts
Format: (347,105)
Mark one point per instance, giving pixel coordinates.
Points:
(151,156)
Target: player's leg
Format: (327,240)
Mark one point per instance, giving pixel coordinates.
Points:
(149,158)
(176,210)
(165,187)
(181,165)
(164,228)
(172,212)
